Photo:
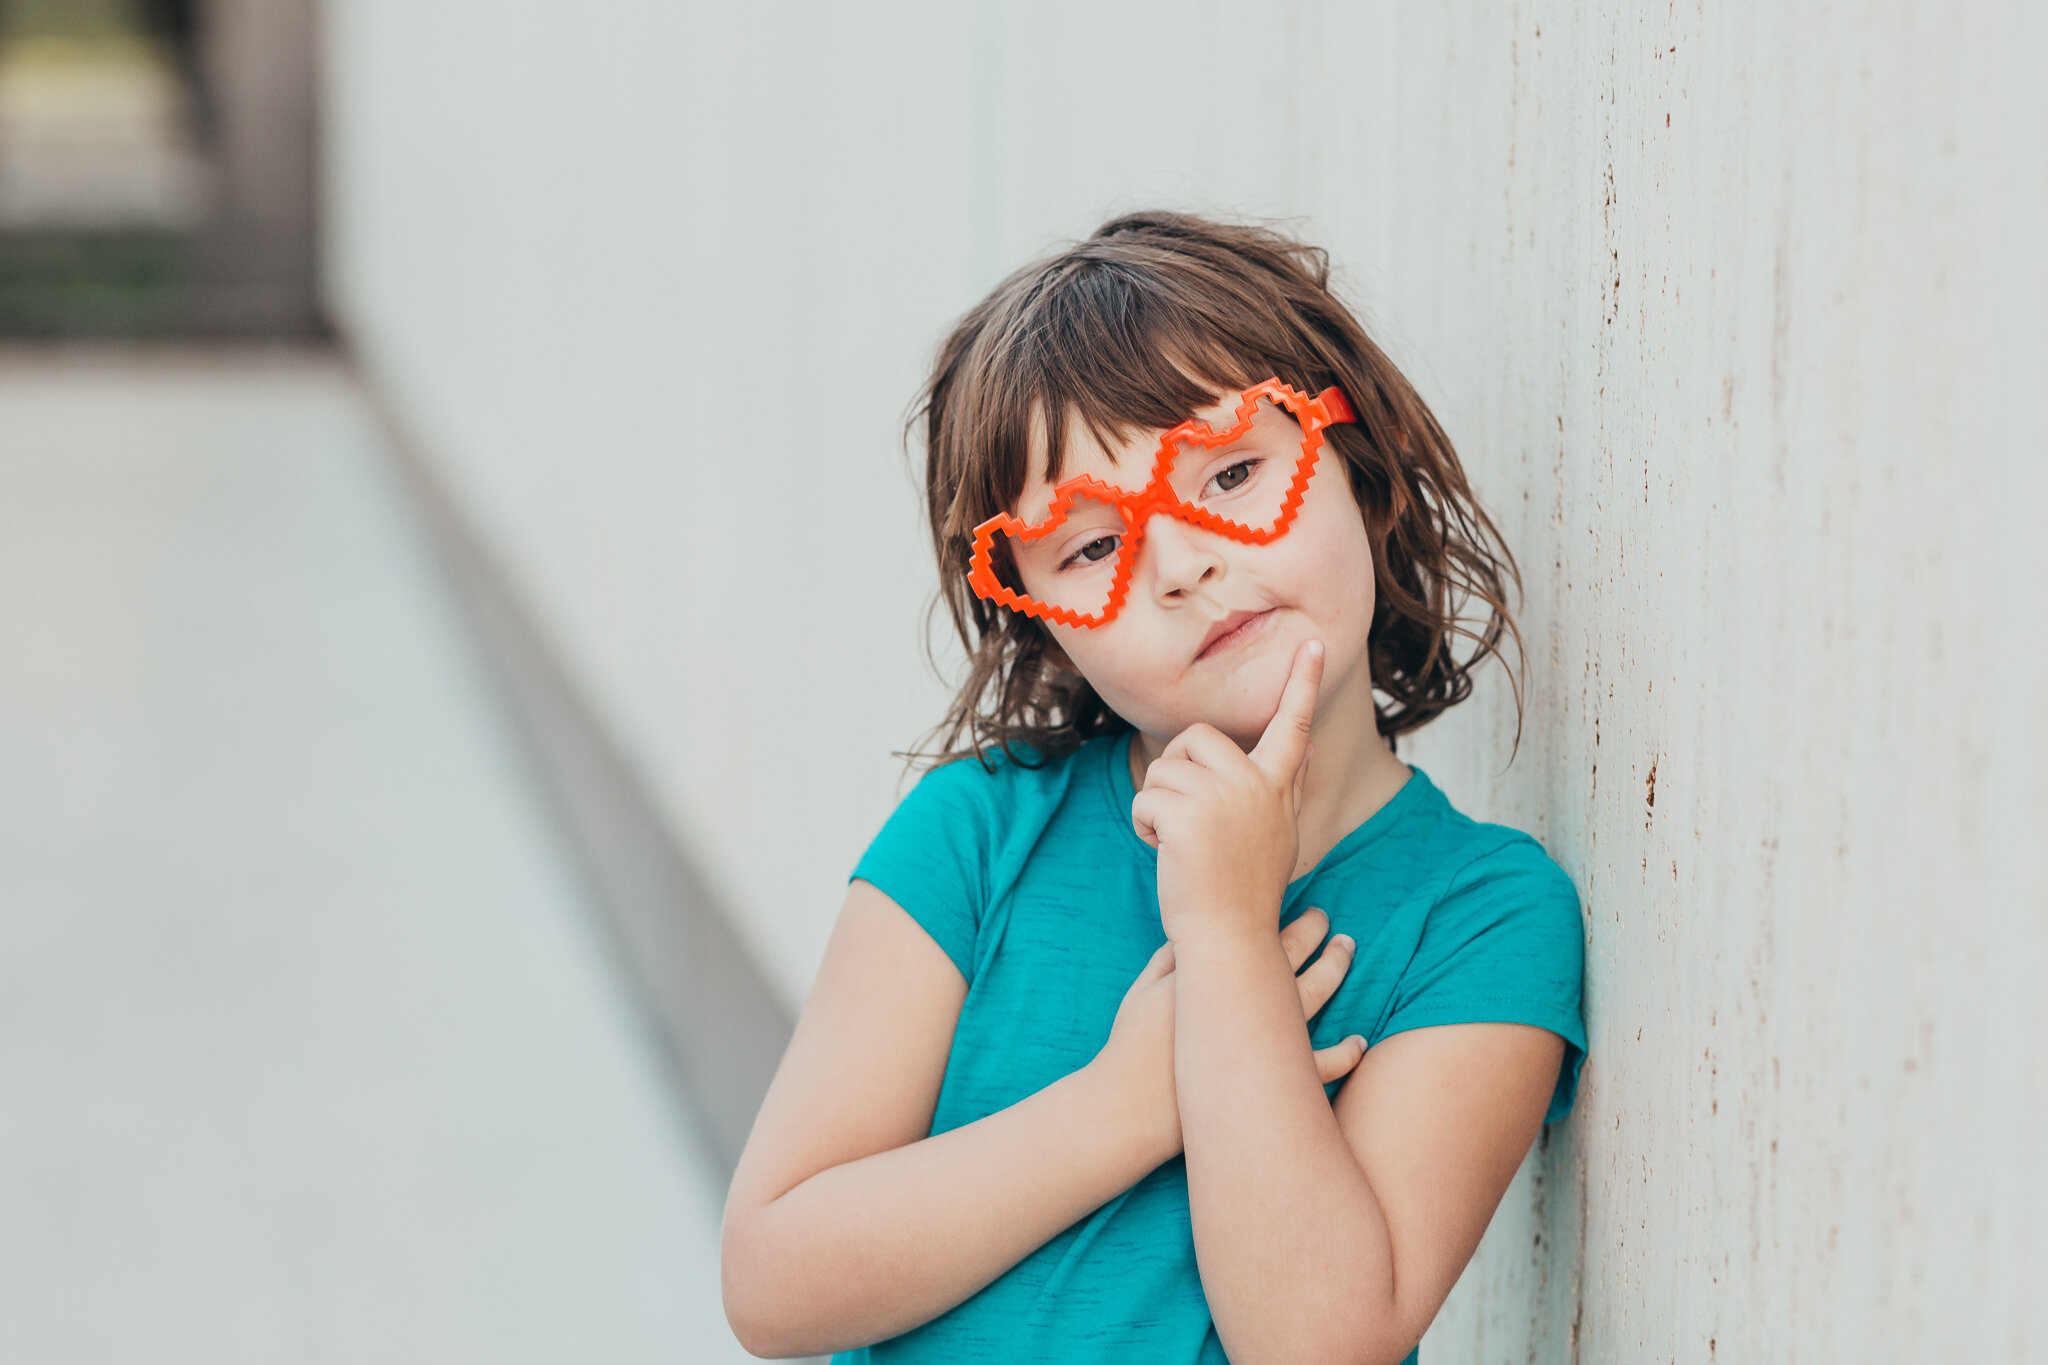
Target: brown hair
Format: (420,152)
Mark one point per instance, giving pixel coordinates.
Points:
(1137,328)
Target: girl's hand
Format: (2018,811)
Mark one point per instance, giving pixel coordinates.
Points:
(1138,1058)
(1224,821)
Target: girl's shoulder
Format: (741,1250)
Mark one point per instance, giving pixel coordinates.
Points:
(1477,888)
(995,778)
(1466,852)
(982,803)
(1496,933)
(1502,868)
(964,833)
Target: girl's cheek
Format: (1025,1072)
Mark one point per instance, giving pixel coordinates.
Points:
(1129,674)
(1333,567)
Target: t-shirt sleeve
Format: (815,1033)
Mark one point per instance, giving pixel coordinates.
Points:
(932,856)
(1505,944)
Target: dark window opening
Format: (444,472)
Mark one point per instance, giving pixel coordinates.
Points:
(157,167)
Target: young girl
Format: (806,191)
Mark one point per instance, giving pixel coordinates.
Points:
(1053,1096)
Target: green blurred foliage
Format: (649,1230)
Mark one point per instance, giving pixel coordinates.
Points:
(92,283)
(79,20)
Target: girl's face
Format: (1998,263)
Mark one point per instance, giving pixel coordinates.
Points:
(1211,624)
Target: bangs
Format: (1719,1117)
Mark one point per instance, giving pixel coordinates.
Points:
(1123,348)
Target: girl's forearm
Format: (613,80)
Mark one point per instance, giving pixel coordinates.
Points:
(866,1250)
(1294,1252)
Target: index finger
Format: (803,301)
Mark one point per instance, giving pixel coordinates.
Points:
(1280,749)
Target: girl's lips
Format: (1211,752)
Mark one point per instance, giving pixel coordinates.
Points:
(1236,629)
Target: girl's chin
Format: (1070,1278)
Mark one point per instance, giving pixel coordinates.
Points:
(1255,685)
(1240,704)
(1244,723)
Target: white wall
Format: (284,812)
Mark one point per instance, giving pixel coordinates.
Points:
(1738,317)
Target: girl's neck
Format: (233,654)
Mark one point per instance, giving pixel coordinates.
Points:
(1351,775)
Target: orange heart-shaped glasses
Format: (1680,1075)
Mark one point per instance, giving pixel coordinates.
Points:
(1158,496)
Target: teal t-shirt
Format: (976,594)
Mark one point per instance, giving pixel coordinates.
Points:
(1037,887)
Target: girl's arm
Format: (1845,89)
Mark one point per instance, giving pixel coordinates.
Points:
(1344,1249)
(1322,1234)
(846,1224)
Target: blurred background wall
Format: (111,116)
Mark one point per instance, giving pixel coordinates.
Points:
(1738,314)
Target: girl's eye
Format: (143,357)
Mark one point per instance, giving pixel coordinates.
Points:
(1234,476)
(1100,548)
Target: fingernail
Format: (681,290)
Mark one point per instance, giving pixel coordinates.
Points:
(1315,649)
(1345,941)
(1355,1038)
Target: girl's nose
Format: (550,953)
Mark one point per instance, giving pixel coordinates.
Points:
(1182,556)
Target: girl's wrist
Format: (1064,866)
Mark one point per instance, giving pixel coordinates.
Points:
(1227,941)
(1222,919)
(1142,1117)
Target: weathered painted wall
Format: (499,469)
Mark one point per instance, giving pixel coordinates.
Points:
(1739,315)
(1743,318)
